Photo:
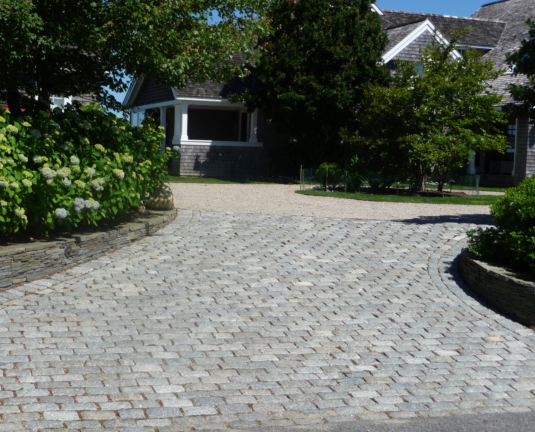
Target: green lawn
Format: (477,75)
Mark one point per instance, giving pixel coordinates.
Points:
(469,200)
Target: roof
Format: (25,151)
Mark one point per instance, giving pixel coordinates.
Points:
(514,13)
(479,32)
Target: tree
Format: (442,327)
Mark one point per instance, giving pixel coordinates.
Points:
(523,62)
(313,68)
(76,47)
(432,116)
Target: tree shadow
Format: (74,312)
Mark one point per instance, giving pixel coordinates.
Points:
(478,219)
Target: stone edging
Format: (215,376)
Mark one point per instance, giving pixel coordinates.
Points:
(500,289)
(27,262)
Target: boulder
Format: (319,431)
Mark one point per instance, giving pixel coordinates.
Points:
(162,199)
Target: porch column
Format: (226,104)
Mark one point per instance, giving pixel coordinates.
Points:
(472,166)
(253,127)
(163,123)
(184,122)
(178,125)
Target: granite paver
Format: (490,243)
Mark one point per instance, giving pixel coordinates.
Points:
(236,321)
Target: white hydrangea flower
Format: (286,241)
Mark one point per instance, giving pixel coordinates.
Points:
(92,204)
(19,212)
(38,159)
(48,173)
(90,171)
(75,160)
(63,172)
(27,183)
(98,184)
(119,173)
(23,158)
(61,213)
(3,182)
(66,182)
(79,204)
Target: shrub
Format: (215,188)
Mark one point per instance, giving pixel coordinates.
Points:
(74,168)
(353,177)
(329,174)
(512,241)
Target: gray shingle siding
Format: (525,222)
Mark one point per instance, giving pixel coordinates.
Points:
(152,92)
(414,50)
(221,161)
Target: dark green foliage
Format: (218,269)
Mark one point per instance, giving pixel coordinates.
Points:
(314,67)
(523,62)
(431,118)
(329,174)
(353,177)
(512,242)
(77,47)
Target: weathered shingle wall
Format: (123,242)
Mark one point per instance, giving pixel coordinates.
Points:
(152,92)
(221,161)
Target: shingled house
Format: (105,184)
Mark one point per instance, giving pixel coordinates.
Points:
(220,138)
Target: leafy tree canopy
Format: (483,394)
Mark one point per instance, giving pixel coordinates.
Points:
(523,62)
(432,117)
(313,69)
(76,47)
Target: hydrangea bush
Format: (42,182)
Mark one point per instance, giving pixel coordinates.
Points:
(73,168)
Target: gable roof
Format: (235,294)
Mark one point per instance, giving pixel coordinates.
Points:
(418,34)
(482,33)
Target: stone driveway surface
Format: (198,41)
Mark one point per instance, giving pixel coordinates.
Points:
(235,321)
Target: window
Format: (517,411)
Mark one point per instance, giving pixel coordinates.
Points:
(216,124)
(511,136)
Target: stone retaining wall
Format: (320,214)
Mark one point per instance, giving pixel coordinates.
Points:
(26,262)
(500,289)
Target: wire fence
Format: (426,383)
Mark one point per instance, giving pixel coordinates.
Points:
(468,184)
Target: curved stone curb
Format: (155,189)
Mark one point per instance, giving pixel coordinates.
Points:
(27,262)
(500,289)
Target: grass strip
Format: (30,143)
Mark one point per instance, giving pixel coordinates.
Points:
(468,200)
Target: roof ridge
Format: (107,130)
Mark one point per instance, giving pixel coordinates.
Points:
(449,16)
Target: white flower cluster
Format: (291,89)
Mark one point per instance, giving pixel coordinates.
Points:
(90,171)
(3,182)
(66,182)
(12,129)
(38,159)
(23,158)
(26,182)
(20,213)
(119,173)
(128,159)
(92,204)
(75,160)
(63,172)
(98,184)
(79,204)
(61,213)
(48,172)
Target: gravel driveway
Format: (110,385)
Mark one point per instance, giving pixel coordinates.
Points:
(282,200)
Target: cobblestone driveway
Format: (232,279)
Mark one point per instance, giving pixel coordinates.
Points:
(246,321)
